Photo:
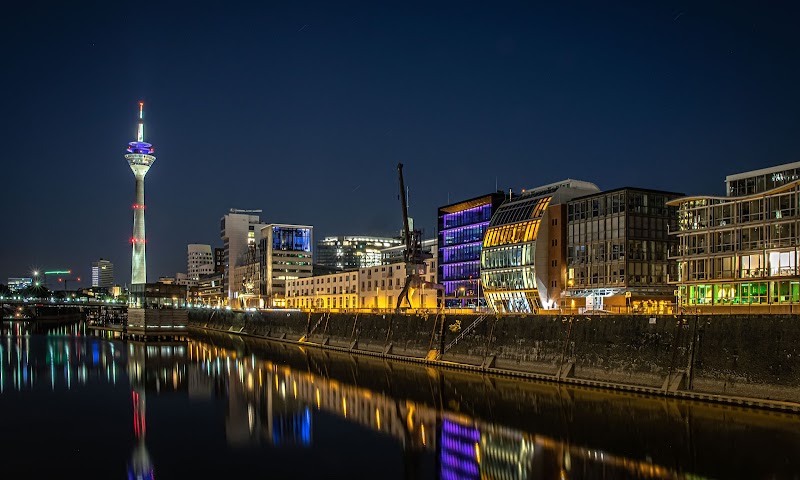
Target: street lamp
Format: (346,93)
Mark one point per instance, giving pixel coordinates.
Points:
(477,293)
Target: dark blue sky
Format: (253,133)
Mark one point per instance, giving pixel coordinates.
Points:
(304,109)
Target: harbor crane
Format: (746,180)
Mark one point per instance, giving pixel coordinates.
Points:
(413,255)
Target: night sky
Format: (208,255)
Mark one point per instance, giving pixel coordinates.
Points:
(304,110)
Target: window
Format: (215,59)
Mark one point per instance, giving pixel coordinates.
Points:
(554,242)
(554,263)
(554,222)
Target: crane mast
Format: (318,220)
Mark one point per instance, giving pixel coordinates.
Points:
(404,204)
(413,255)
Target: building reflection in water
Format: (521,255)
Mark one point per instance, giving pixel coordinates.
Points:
(263,408)
(70,359)
(269,404)
(465,448)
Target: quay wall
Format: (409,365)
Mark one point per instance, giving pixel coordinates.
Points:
(754,356)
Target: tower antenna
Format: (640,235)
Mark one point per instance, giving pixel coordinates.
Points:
(140,136)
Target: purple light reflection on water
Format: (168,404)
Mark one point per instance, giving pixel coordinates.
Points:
(452,428)
(458,451)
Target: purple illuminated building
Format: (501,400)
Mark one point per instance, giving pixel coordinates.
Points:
(461,229)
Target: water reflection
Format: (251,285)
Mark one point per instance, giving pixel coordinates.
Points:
(499,428)
(259,407)
(67,361)
(152,368)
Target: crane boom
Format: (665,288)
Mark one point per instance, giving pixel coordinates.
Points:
(406,230)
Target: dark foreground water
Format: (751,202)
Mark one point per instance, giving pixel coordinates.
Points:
(73,405)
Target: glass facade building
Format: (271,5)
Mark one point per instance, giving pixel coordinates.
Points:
(460,241)
(349,252)
(740,250)
(759,181)
(286,253)
(523,257)
(617,250)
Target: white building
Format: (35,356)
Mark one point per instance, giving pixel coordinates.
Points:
(286,253)
(102,274)
(199,261)
(183,279)
(372,288)
(240,230)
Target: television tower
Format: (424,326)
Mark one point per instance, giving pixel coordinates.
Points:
(140,159)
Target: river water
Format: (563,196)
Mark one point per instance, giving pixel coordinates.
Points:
(79,405)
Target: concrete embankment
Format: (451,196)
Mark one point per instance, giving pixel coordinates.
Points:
(749,359)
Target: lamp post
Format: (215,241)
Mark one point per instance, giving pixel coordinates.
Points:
(477,294)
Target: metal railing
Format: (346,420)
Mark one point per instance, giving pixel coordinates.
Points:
(463,333)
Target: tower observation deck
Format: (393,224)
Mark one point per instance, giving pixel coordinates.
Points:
(140,159)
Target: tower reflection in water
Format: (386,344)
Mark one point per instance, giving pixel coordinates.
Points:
(514,430)
(152,368)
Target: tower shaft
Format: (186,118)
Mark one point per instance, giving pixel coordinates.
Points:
(140,159)
(138,259)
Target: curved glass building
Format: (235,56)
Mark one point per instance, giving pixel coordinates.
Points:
(524,250)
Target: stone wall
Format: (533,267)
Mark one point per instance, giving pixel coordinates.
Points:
(754,356)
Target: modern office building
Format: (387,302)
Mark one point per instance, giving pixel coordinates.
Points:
(460,233)
(523,259)
(102,274)
(763,180)
(286,254)
(372,288)
(211,291)
(16,284)
(352,251)
(240,231)
(140,159)
(199,261)
(618,244)
(741,250)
